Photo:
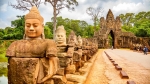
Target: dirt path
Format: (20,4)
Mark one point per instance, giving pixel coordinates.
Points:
(96,75)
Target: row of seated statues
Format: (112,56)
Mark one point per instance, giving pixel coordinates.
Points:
(36,60)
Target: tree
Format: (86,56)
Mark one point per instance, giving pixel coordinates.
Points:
(139,23)
(18,25)
(1,33)
(47,32)
(57,6)
(127,19)
(95,14)
(78,26)
(26,4)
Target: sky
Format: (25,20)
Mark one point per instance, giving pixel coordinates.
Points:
(8,14)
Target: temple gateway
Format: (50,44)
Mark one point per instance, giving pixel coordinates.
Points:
(110,34)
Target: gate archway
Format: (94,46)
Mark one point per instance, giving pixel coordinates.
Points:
(112,27)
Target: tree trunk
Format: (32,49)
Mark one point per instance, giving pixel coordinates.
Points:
(94,24)
(54,21)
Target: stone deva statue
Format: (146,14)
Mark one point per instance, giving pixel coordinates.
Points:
(32,60)
(60,37)
(72,38)
(79,40)
(65,52)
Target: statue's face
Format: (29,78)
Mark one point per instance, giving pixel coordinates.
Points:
(33,28)
(80,41)
(60,38)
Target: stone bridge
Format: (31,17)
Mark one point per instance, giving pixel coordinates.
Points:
(36,60)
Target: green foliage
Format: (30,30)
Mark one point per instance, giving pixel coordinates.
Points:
(139,23)
(4,44)
(3,71)
(13,33)
(48,32)
(79,27)
(2,53)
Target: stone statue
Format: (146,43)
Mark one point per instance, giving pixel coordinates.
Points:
(78,53)
(72,39)
(32,60)
(79,40)
(65,51)
(60,37)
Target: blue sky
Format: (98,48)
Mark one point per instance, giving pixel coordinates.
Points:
(8,14)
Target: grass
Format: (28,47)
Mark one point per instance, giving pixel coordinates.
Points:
(2,54)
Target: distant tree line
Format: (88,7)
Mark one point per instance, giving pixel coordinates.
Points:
(16,31)
(139,24)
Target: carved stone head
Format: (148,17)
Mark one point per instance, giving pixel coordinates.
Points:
(79,40)
(72,39)
(60,36)
(33,24)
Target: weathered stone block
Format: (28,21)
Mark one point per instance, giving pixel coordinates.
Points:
(131,82)
(114,63)
(124,75)
(62,49)
(59,79)
(61,55)
(60,71)
(22,70)
(71,82)
(75,78)
(110,59)
(118,67)
(70,52)
(63,61)
(76,56)
(82,70)
(49,81)
(70,69)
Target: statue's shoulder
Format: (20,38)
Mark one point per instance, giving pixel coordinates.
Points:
(13,44)
(12,48)
(51,47)
(50,41)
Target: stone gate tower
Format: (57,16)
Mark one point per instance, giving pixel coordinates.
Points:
(112,26)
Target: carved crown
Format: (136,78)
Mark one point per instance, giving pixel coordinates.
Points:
(34,14)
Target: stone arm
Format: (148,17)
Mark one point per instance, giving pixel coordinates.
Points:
(51,53)
(51,49)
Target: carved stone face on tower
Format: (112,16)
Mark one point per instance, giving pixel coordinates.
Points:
(60,37)
(34,24)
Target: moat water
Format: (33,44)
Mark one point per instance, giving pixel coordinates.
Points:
(3,73)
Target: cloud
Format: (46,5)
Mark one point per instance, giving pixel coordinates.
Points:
(3,8)
(46,12)
(129,6)
(3,24)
